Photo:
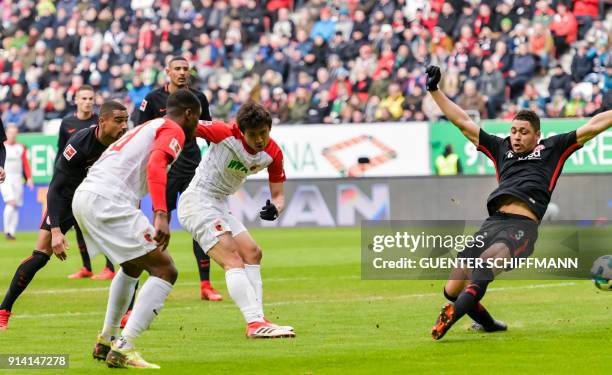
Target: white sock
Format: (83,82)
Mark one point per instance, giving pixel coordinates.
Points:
(149,303)
(243,294)
(10,223)
(14,220)
(119,297)
(253,272)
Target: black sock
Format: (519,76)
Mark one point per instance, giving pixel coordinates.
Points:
(109,264)
(473,293)
(203,261)
(23,275)
(133,297)
(83,249)
(479,313)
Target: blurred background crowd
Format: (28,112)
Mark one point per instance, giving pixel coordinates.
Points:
(310,61)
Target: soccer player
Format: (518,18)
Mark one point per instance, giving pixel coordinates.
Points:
(83,118)
(2,152)
(16,167)
(527,171)
(81,151)
(106,206)
(236,152)
(182,171)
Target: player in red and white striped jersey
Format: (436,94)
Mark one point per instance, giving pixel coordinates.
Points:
(236,151)
(16,168)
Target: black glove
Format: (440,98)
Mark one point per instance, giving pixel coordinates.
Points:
(433,77)
(268,212)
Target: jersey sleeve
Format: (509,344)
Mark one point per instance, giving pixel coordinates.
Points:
(145,111)
(490,145)
(562,143)
(2,148)
(205,115)
(276,170)
(169,139)
(74,151)
(26,165)
(62,138)
(213,131)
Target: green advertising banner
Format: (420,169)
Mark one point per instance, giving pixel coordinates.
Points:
(594,157)
(41,155)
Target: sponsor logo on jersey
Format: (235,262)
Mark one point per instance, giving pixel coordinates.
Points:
(237,165)
(162,110)
(143,105)
(69,152)
(71,130)
(536,154)
(175,146)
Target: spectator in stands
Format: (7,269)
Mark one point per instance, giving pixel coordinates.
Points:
(560,81)
(325,26)
(564,28)
(582,64)
(491,86)
(470,99)
(586,11)
(541,44)
(391,107)
(33,118)
(523,68)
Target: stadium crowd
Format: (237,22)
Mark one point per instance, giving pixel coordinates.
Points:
(309,61)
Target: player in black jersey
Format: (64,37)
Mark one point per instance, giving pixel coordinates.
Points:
(81,152)
(182,171)
(527,171)
(83,118)
(2,152)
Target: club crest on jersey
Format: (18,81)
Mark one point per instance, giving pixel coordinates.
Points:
(69,152)
(175,146)
(147,235)
(143,104)
(509,155)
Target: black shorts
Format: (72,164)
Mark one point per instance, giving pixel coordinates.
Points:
(177,183)
(67,221)
(518,232)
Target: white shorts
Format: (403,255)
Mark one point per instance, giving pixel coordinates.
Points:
(206,218)
(118,229)
(12,190)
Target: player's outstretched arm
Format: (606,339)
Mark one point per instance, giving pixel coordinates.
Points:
(598,124)
(451,110)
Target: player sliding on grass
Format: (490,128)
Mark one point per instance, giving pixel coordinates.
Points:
(106,206)
(236,151)
(81,151)
(527,171)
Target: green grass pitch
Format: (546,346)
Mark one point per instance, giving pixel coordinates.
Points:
(344,325)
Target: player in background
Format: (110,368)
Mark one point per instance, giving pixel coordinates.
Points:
(2,152)
(154,106)
(106,206)
(81,151)
(236,152)
(84,117)
(527,171)
(16,168)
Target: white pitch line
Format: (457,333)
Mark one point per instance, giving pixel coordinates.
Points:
(300,302)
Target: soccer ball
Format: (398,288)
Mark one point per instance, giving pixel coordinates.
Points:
(601,272)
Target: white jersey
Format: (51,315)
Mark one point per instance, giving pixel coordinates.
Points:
(16,165)
(229,160)
(121,171)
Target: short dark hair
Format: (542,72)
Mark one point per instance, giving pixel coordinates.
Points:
(107,108)
(176,58)
(180,100)
(253,115)
(530,116)
(85,88)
